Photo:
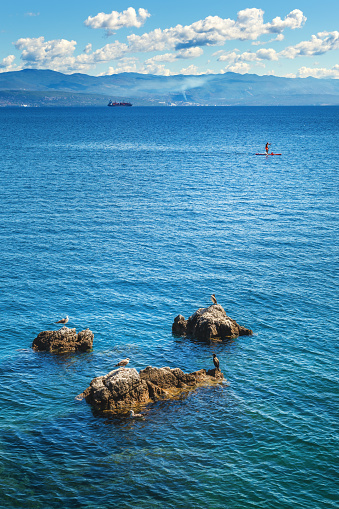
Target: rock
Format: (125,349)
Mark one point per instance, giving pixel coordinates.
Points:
(124,388)
(179,325)
(64,340)
(209,323)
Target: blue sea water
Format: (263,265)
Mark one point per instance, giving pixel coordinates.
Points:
(123,218)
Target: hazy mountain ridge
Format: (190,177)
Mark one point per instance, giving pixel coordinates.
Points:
(44,87)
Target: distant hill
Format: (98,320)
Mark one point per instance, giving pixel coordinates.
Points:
(50,88)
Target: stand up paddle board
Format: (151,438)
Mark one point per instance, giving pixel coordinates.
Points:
(271,154)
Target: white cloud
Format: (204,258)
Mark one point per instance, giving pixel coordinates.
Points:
(280,37)
(317,45)
(151,67)
(190,53)
(239,67)
(267,54)
(116,20)
(193,70)
(181,54)
(190,70)
(248,56)
(295,19)
(59,54)
(113,51)
(39,51)
(166,57)
(228,56)
(214,30)
(305,72)
(125,65)
(30,14)
(7,61)
(6,64)
(157,40)
(179,42)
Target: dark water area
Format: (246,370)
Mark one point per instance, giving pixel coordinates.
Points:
(122,218)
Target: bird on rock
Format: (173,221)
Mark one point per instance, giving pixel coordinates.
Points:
(216,361)
(214,300)
(63,320)
(135,416)
(124,362)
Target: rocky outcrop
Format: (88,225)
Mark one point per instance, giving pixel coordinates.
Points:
(209,323)
(64,340)
(124,388)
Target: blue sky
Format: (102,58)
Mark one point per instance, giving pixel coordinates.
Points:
(291,38)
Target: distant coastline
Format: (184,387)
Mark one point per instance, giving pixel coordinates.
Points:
(17,99)
(36,88)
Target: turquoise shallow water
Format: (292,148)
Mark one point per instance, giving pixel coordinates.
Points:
(123,219)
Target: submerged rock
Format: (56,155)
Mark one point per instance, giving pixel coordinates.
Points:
(209,323)
(124,388)
(64,340)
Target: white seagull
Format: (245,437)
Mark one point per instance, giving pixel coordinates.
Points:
(135,416)
(63,320)
(124,362)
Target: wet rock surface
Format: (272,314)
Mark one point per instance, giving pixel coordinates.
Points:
(64,340)
(124,388)
(209,323)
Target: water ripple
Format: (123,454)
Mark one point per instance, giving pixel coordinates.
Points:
(123,225)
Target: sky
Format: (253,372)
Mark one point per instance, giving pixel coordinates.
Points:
(167,37)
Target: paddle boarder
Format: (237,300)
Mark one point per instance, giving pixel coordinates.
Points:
(266,148)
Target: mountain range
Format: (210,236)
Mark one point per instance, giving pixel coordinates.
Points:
(33,87)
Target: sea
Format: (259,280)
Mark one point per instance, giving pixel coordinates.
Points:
(123,218)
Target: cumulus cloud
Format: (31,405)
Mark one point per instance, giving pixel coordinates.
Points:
(7,61)
(214,30)
(317,45)
(175,43)
(190,70)
(305,72)
(228,56)
(116,20)
(280,37)
(38,51)
(266,54)
(295,19)
(6,64)
(188,53)
(113,51)
(193,70)
(152,67)
(248,56)
(59,54)
(166,57)
(128,64)
(239,67)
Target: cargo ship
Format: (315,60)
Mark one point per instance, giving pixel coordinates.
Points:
(111,103)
